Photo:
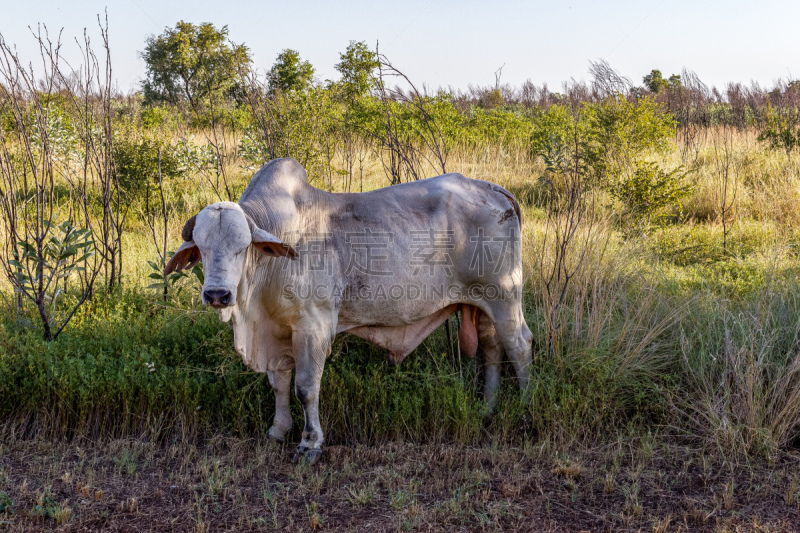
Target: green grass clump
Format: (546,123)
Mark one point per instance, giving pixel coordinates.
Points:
(128,365)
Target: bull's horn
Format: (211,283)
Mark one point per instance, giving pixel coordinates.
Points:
(188,229)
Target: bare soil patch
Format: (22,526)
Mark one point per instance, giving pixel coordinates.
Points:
(240,485)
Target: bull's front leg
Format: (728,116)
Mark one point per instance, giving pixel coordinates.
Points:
(280,380)
(310,349)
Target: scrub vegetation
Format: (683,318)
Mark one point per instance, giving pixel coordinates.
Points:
(661,258)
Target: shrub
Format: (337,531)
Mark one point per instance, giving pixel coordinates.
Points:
(611,135)
(136,156)
(648,191)
(781,132)
(620,132)
(158,118)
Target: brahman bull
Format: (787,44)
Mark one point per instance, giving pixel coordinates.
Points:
(293,266)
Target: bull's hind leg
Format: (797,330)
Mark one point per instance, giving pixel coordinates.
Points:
(492,349)
(516,338)
(280,381)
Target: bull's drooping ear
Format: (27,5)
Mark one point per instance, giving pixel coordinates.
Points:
(187,256)
(268,244)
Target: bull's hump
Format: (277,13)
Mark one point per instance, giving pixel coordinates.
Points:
(279,175)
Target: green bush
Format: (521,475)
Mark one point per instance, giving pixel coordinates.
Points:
(781,131)
(136,158)
(648,191)
(621,132)
(159,118)
(608,137)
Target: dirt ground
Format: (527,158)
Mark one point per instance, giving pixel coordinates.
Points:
(239,485)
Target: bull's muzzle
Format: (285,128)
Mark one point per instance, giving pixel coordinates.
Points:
(218,298)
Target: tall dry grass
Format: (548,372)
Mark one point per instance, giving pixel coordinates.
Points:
(743,371)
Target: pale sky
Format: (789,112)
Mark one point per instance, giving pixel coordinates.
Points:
(455,43)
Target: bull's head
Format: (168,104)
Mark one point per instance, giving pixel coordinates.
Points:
(220,235)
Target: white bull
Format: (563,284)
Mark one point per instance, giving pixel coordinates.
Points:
(388,266)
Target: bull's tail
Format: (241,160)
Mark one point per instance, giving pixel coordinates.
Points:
(511,197)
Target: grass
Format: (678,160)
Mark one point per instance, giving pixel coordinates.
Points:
(672,399)
(650,326)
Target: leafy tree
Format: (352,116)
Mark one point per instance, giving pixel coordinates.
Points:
(191,63)
(491,99)
(655,81)
(290,72)
(357,66)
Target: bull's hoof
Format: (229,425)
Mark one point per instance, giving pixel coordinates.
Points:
(306,455)
(275,436)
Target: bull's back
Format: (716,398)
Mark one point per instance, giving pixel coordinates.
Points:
(450,198)
(420,245)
